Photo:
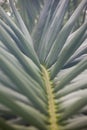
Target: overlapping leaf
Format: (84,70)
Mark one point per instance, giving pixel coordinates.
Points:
(39,45)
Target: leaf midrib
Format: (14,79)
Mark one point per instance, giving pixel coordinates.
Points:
(51,101)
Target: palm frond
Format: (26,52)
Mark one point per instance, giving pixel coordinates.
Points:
(43,67)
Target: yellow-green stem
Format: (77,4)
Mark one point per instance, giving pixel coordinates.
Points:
(51,102)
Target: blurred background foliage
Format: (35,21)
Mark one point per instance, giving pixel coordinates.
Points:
(34,17)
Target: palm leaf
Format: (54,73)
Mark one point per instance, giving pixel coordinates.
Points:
(43,66)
